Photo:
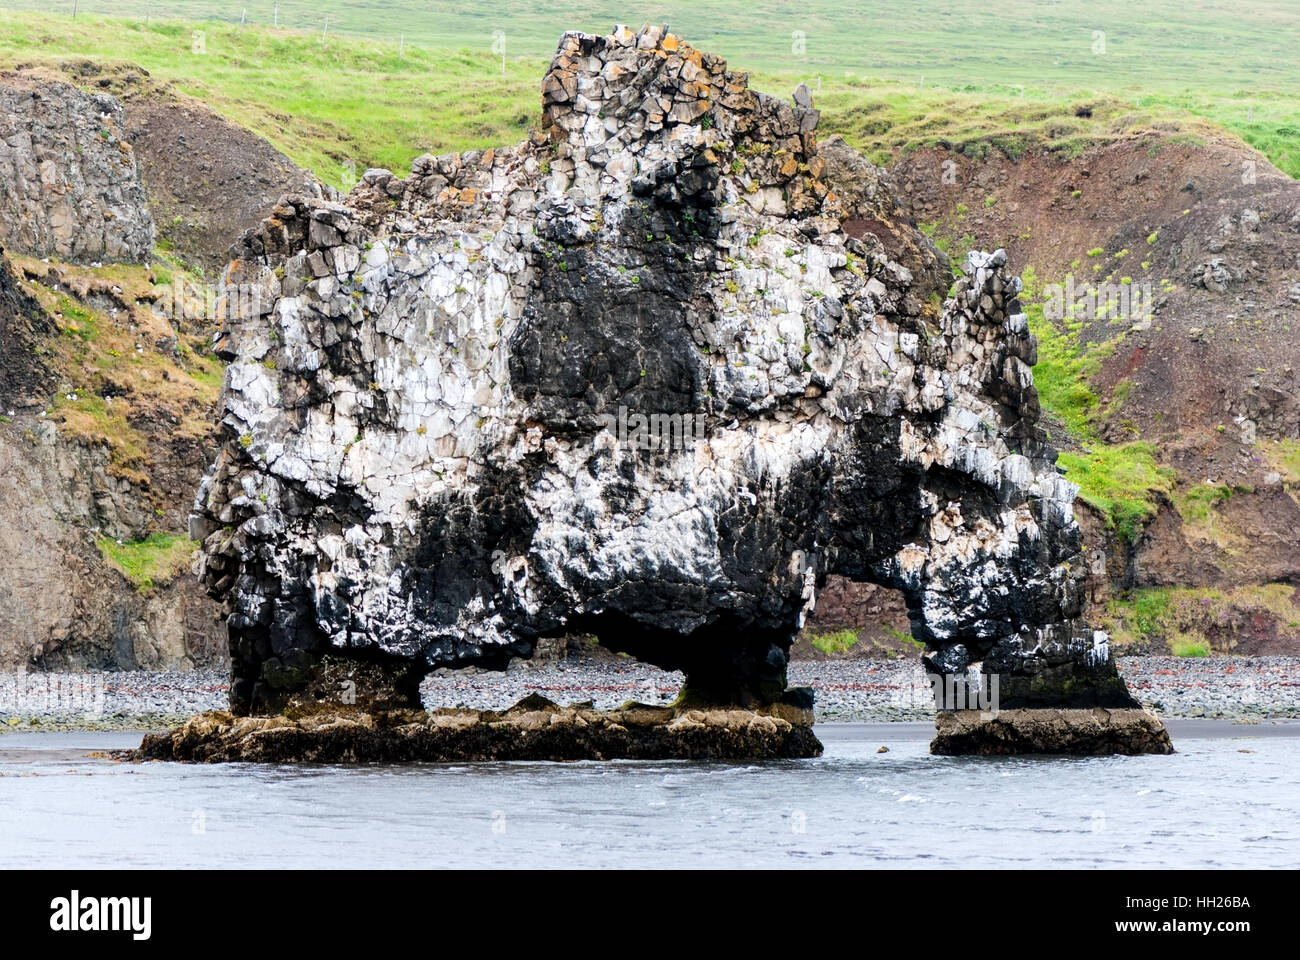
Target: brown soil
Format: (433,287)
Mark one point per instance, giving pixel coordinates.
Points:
(208,180)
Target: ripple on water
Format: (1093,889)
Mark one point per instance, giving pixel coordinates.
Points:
(1208,805)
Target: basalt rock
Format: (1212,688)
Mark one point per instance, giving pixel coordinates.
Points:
(24,373)
(533,729)
(652,374)
(69,183)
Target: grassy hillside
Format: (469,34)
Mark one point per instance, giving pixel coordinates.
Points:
(898,76)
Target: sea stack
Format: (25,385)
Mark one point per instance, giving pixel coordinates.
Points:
(652,374)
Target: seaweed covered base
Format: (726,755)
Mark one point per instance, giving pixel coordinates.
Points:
(1094,732)
(533,729)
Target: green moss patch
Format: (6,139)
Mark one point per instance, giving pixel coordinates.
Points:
(154,561)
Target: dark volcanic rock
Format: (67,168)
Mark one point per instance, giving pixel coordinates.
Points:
(533,729)
(24,375)
(652,375)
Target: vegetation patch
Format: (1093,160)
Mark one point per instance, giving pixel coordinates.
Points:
(1122,482)
(154,561)
(1196,504)
(132,375)
(1197,622)
(390,88)
(834,643)
(1284,457)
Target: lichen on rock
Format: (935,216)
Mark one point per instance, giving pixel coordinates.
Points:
(653,373)
(1092,732)
(533,729)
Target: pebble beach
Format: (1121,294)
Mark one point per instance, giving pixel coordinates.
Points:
(861,690)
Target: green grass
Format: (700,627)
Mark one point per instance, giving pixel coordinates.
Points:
(1190,648)
(1065,366)
(933,76)
(902,636)
(1123,482)
(154,561)
(85,415)
(336,109)
(76,320)
(839,642)
(1186,617)
(1149,608)
(1284,455)
(1197,503)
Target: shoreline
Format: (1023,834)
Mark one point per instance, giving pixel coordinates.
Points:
(828,731)
(1243,689)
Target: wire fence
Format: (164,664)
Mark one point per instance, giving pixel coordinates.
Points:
(439,24)
(396,20)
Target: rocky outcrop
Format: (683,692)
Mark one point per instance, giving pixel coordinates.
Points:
(651,374)
(533,729)
(101,444)
(1209,385)
(69,183)
(23,324)
(1081,732)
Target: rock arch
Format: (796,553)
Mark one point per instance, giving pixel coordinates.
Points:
(440,416)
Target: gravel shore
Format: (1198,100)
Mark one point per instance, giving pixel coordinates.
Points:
(847,690)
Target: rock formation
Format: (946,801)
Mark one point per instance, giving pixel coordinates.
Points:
(69,184)
(1092,732)
(22,325)
(653,374)
(533,729)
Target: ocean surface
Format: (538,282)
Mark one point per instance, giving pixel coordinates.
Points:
(1230,797)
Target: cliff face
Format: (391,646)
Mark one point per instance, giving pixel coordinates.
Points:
(69,185)
(107,382)
(653,374)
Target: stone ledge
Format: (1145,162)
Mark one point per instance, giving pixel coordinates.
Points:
(1094,732)
(533,729)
